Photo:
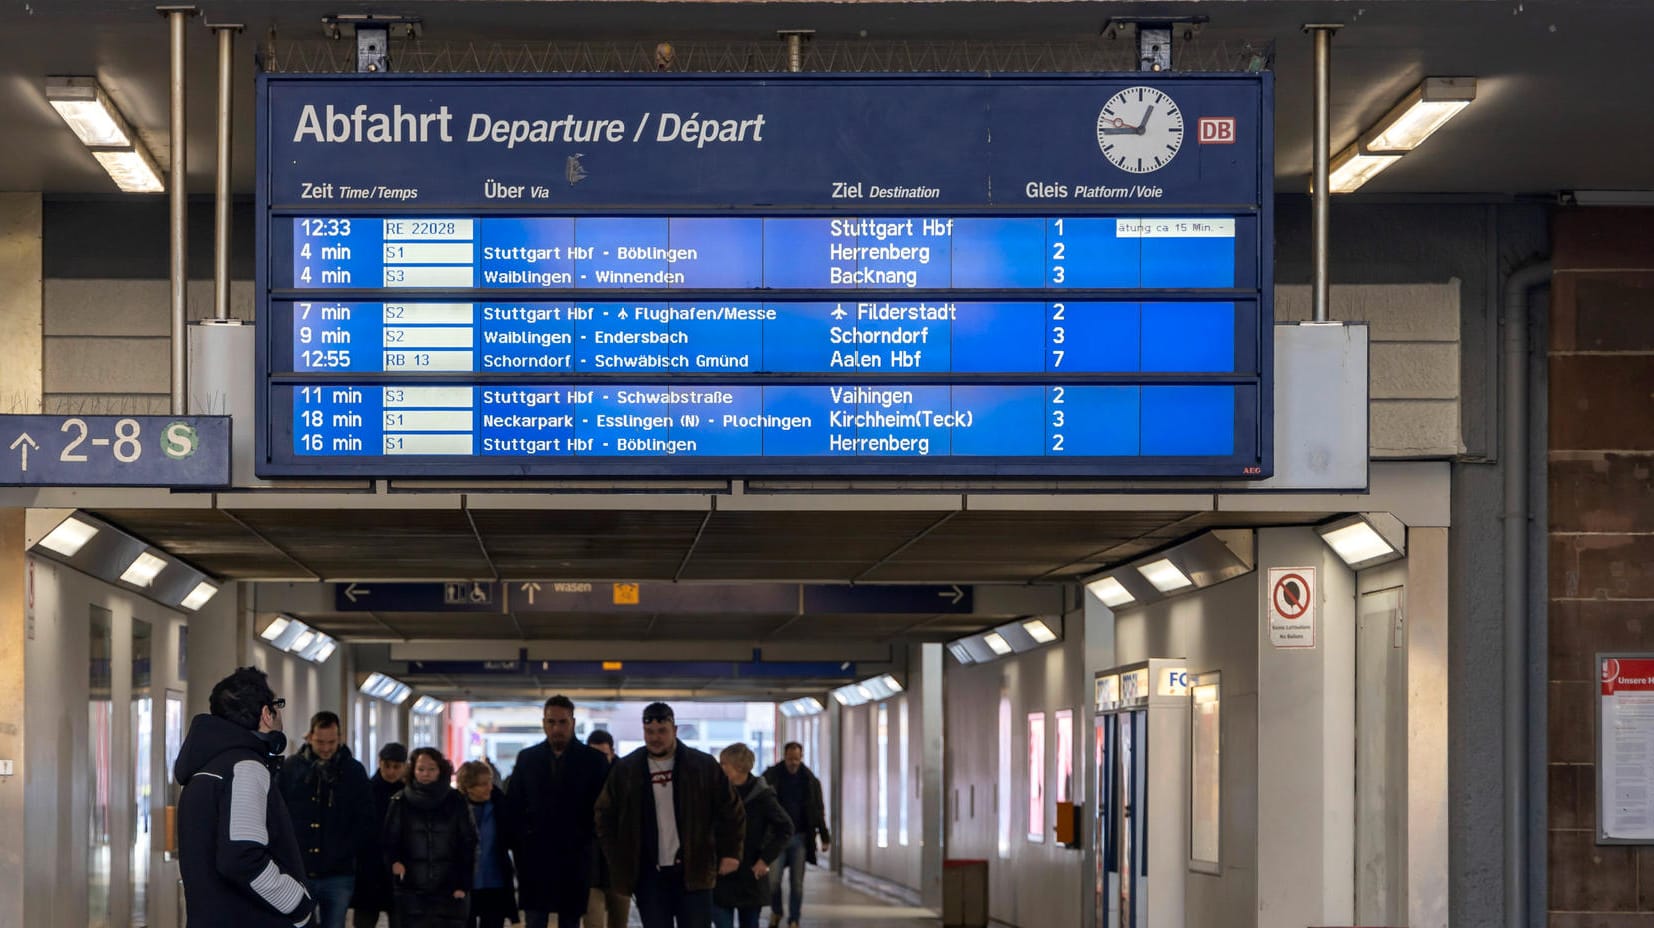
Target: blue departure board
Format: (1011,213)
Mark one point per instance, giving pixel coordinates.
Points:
(488,276)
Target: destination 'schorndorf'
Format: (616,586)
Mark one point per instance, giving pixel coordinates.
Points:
(1030,276)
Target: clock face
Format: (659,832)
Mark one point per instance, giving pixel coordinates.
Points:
(1140,130)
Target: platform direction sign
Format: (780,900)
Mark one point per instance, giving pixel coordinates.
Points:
(454,596)
(115,451)
(575,597)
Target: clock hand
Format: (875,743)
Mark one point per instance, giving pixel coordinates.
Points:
(1144,123)
(1119,126)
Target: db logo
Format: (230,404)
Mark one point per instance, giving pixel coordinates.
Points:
(1217,130)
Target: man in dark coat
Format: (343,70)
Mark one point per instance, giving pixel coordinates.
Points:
(800,794)
(328,796)
(550,800)
(670,825)
(374,892)
(237,855)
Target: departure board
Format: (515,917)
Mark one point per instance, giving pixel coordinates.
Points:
(828,276)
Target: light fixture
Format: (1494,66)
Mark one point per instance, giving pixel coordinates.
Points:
(841,697)
(428,705)
(807,705)
(1425,109)
(997,643)
(69,537)
(1365,539)
(132,171)
(83,105)
(1165,576)
(325,651)
(277,626)
(143,570)
(303,641)
(198,597)
(86,108)
(961,653)
(1039,631)
(1111,591)
(1353,167)
(891,683)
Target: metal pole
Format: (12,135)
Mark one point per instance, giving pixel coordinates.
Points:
(1322,148)
(221,193)
(179,205)
(795,47)
(1513,457)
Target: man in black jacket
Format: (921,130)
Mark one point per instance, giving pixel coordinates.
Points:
(670,825)
(800,794)
(237,854)
(551,797)
(373,892)
(329,799)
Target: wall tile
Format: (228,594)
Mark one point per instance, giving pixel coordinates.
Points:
(1580,629)
(1602,402)
(1587,877)
(1602,566)
(1572,726)
(1597,492)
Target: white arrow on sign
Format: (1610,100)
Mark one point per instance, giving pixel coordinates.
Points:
(22,443)
(353,591)
(953,595)
(531,588)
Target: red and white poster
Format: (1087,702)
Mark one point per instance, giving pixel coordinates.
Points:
(1290,610)
(1625,750)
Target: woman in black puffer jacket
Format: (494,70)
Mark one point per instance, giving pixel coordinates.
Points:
(431,843)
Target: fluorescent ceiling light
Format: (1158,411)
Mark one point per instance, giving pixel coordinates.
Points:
(131,170)
(1165,576)
(891,683)
(198,597)
(809,705)
(69,537)
(303,641)
(1352,168)
(841,697)
(1039,631)
(275,628)
(1111,591)
(428,705)
(961,653)
(997,643)
(1427,108)
(325,651)
(144,570)
(400,694)
(84,106)
(1366,539)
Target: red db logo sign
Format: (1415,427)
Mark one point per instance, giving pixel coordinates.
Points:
(1217,130)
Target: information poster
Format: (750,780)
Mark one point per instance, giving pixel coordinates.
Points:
(1291,607)
(1625,750)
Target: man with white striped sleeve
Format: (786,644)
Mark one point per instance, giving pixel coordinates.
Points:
(236,849)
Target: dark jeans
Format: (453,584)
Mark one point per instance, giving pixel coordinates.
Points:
(332,895)
(792,859)
(663,902)
(431,911)
(727,918)
(369,918)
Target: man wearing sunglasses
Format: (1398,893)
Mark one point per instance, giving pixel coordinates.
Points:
(670,825)
(237,853)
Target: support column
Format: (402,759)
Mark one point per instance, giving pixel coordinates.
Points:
(22,350)
(1428,671)
(13,636)
(926,671)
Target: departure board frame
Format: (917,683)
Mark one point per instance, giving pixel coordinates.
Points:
(445,172)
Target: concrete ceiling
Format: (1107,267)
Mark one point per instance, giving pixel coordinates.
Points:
(1560,104)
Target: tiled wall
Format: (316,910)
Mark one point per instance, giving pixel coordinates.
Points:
(1601,531)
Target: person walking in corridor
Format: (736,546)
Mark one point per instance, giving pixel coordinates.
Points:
(553,794)
(237,855)
(605,908)
(431,844)
(493,903)
(742,894)
(800,794)
(328,796)
(670,825)
(373,871)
